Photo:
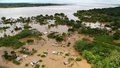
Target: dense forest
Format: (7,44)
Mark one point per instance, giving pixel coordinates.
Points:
(102,15)
(12,5)
(111,16)
(103,51)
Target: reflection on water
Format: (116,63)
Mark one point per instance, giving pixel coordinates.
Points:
(46,28)
(10,31)
(42,28)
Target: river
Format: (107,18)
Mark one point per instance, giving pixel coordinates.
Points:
(50,10)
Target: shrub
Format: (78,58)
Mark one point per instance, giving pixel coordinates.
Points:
(70,59)
(56,36)
(26,65)
(116,35)
(68,44)
(43,66)
(43,56)
(16,62)
(30,41)
(78,59)
(40,60)
(67,54)
(37,66)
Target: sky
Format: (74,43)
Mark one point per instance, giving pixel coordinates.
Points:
(61,1)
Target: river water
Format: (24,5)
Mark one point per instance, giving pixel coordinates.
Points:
(50,10)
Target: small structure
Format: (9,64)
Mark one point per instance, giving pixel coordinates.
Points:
(66,63)
(31,63)
(24,56)
(109,29)
(18,58)
(34,62)
(54,44)
(45,33)
(54,52)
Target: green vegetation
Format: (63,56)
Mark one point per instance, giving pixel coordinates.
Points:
(114,25)
(16,62)
(52,35)
(101,15)
(93,31)
(42,20)
(43,66)
(13,41)
(78,59)
(55,35)
(102,52)
(27,27)
(43,56)
(67,54)
(11,57)
(37,66)
(27,51)
(62,19)
(17,29)
(26,64)
(30,41)
(106,39)
(116,35)
(110,16)
(68,44)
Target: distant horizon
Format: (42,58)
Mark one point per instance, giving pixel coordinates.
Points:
(62,2)
(57,3)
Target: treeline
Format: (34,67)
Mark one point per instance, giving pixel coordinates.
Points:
(10,5)
(103,51)
(111,16)
(101,15)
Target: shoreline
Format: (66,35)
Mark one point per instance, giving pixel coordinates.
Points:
(32,11)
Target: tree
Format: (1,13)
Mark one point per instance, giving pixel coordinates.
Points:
(116,35)
(89,56)
(37,66)
(3,18)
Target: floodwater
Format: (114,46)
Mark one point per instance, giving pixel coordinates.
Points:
(50,10)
